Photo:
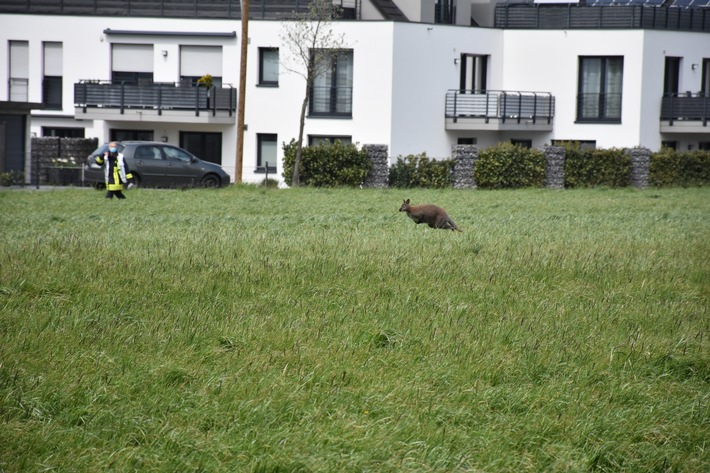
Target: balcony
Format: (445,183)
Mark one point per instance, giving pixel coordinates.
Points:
(499,110)
(685,113)
(154,102)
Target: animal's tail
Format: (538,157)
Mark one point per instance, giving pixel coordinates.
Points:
(454,227)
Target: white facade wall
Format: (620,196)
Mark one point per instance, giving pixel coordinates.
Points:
(402,72)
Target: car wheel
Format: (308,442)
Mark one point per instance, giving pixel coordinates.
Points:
(99,186)
(210,180)
(135,181)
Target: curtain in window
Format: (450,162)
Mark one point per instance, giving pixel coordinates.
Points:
(343,92)
(270,66)
(332,90)
(614,73)
(590,88)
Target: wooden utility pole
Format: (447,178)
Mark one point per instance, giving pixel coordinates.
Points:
(242,91)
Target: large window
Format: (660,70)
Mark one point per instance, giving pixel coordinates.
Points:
(266,152)
(52,80)
(600,87)
(204,145)
(269,66)
(474,73)
(332,90)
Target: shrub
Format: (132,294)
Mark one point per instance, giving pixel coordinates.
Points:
(328,165)
(596,167)
(420,171)
(672,168)
(508,166)
(12,178)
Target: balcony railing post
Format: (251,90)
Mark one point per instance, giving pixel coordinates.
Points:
(670,102)
(456,98)
(160,99)
(520,106)
(534,107)
(123,92)
(197,101)
(705,110)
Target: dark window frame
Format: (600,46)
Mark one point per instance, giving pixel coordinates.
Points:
(52,92)
(264,82)
(335,92)
(605,104)
(260,139)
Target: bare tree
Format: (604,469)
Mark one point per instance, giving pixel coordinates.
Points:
(312,44)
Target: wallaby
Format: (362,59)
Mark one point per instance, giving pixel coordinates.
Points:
(434,216)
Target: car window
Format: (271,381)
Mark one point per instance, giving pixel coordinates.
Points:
(176,153)
(147,152)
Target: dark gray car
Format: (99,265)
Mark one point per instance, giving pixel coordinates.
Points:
(156,164)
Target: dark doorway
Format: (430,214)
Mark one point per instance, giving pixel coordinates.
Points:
(207,146)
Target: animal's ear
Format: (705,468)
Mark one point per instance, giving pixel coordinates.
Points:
(406,201)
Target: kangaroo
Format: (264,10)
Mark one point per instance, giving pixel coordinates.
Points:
(434,216)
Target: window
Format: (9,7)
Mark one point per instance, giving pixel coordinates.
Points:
(583,144)
(600,87)
(132,63)
(315,140)
(522,143)
(19,71)
(204,145)
(474,71)
(266,159)
(704,145)
(197,61)
(52,80)
(669,144)
(332,90)
(130,135)
(62,132)
(467,141)
(269,66)
(671,76)
(445,11)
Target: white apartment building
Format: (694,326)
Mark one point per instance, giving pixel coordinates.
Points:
(415,75)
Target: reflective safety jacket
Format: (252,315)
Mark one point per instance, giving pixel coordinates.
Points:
(116,172)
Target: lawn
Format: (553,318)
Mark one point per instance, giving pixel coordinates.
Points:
(319,330)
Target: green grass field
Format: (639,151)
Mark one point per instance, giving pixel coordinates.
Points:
(319,330)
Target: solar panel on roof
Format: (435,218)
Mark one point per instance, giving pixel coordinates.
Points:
(690,3)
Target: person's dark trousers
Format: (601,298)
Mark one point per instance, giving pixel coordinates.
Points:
(118,194)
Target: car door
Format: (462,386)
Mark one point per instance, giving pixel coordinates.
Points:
(150,165)
(180,170)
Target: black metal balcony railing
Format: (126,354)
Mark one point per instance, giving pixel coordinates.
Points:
(331,101)
(506,106)
(571,16)
(598,107)
(686,107)
(157,96)
(231,9)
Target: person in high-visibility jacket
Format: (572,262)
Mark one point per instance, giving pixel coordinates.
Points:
(115,171)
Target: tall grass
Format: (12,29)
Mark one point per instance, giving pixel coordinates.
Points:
(314,330)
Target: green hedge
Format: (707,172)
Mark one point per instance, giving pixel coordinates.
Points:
(596,167)
(420,171)
(509,166)
(328,165)
(672,168)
